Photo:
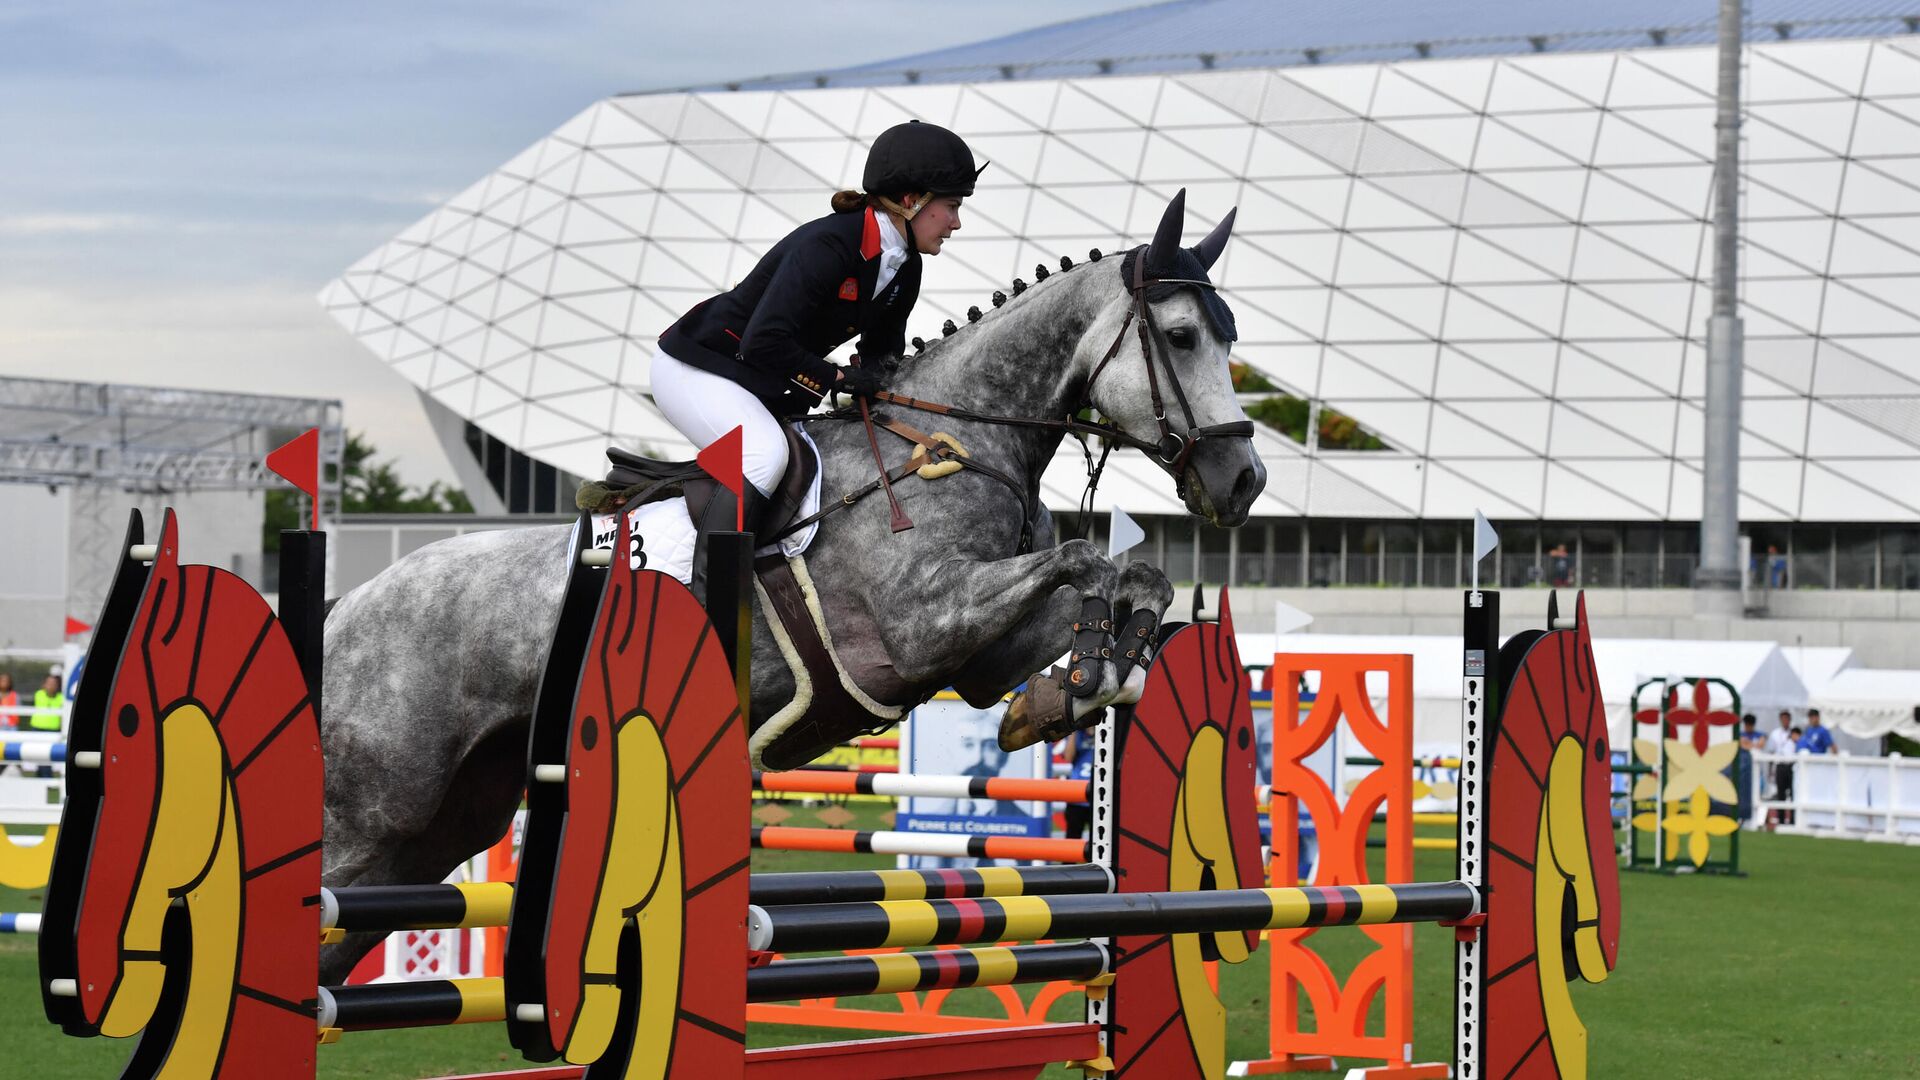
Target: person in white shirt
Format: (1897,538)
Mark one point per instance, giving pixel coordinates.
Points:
(1781,741)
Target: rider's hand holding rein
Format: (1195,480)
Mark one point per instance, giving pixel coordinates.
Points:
(755,355)
(858,381)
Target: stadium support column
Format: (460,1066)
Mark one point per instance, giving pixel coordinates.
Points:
(1717,583)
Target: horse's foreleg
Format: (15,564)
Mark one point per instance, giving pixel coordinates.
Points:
(1139,606)
(1029,646)
(962,608)
(478,810)
(1028,643)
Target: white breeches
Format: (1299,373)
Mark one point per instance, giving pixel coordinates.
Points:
(705,406)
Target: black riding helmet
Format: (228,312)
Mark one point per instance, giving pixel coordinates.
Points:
(914,157)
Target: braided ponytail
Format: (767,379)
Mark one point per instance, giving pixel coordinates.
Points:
(846,202)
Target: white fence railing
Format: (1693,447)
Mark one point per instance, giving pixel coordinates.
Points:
(1861,798)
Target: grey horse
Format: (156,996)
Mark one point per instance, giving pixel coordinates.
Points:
(432,667)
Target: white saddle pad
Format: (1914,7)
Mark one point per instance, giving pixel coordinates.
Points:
(663,534)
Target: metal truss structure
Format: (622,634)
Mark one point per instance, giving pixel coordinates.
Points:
(156,440)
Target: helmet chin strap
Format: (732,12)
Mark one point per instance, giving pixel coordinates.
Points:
(899,210)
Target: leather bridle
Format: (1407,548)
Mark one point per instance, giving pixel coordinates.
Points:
(1172,449)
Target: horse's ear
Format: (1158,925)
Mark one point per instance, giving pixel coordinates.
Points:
(1163,257)
(1208,250)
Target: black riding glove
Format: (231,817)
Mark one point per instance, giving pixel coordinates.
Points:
(858,382)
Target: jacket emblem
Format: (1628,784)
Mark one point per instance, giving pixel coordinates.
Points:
(850,289)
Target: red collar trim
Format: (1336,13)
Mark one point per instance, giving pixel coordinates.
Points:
(870,237)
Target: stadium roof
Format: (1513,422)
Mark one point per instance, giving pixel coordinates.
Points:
(1197,35)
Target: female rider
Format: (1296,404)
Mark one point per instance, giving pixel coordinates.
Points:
(753,356)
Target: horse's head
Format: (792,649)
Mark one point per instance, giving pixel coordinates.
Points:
(1181,399)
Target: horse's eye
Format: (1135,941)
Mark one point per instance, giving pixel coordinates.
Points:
(1181,337)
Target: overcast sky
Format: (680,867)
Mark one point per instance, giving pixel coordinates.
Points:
(180,178)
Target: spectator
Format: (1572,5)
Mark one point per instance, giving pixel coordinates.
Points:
(1750,737)
(48,703)
(1817,740)
(1078,748)
(1561,565)
(9,699)
(1776,568)
(1780,743)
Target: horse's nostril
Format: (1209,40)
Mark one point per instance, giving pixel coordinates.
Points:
(1244,484)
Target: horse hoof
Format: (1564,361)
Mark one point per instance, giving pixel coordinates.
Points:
(1039,714)
(1015,732)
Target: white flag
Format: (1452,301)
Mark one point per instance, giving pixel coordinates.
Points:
(1287,619)
(1122,533)
(1484,541)
(1484,538)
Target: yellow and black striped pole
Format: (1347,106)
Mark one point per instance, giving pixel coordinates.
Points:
(416,907)
(907,923)
(412,1003)
(848,886)
(439,1002)
(939,969)
(486,903)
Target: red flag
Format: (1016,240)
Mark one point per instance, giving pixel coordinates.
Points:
(722,462)
(299,462)
(75,626)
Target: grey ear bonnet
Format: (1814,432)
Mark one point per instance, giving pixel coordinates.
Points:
(1186,264)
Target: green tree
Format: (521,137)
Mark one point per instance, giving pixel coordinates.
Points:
(1289,416)
(367,486)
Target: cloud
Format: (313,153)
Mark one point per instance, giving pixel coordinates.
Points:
(183,176)
(57,224)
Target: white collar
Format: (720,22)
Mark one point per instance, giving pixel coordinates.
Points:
(891,242)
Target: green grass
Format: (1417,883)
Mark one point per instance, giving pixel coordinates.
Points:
(1804,968)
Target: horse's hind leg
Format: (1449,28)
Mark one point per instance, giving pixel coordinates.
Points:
(474,814)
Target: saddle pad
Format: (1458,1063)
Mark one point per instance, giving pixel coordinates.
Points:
(663,532)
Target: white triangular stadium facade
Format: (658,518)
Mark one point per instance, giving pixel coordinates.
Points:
(1498,264)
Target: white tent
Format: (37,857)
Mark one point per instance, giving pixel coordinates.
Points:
(1868,703)
(1755,668)
(1817,664)
(1861,705)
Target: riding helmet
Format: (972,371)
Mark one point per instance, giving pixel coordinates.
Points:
(919,157)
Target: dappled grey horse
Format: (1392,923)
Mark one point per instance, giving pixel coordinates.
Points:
(431,667)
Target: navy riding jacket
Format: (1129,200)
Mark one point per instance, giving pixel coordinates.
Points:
(811,293)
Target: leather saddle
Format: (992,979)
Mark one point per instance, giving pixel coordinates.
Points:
(668,479)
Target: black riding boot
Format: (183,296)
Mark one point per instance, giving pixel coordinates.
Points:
(719,517)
